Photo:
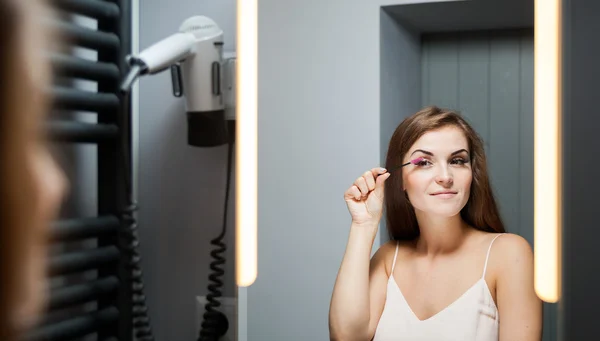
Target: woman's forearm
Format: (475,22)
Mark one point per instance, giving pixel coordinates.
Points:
(349,310)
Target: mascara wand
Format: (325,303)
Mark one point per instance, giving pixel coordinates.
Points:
(414,162)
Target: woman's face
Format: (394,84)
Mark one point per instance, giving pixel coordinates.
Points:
(49,184)
(440,184)
(46,181)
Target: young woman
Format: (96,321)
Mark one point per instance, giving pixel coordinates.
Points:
(31,184)
(449,272)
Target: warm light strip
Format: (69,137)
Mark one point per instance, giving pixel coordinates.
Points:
(246,142)
(547,149)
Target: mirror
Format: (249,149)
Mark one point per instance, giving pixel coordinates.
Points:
(334,82)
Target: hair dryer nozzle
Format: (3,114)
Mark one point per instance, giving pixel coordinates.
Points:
(132,76)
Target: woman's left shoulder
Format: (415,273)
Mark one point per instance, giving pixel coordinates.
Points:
(510,243)
(511,252)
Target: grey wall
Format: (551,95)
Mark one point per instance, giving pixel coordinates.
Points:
(580,171)
(181,188)
(466,15)
(400,94)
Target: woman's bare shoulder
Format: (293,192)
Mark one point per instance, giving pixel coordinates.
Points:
(510,255)
(389,247)
(385,253)
(509,242)
(510,247)
(504,241)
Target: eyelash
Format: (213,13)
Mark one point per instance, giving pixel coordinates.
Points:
(460,161)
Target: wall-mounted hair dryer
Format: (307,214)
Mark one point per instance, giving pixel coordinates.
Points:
(206,80)
(195,57)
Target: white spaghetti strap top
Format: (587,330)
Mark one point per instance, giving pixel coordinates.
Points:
(471,317)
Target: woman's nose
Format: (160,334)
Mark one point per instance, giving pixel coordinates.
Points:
(444,177)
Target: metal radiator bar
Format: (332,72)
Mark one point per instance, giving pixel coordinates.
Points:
(75,229)
(68,296)
(83,260)
(85,37)
(79,132)
(76,328)
(72,99)
(69,66)
(90,8)
(112,185)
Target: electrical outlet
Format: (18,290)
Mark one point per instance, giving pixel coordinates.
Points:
(228,307)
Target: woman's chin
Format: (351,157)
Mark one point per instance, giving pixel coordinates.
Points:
(441,212)
(26,319)
(29,313)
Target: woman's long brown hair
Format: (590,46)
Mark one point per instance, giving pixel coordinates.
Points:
(22,107)
(481,211)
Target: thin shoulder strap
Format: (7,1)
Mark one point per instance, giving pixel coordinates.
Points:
(394,262)
(488,255)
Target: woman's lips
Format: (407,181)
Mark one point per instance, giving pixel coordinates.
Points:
(444,194)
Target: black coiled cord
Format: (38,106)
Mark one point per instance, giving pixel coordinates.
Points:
(215,324)
(141,321)
(142,329)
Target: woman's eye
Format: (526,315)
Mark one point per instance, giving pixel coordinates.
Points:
(424,163)
(459,161)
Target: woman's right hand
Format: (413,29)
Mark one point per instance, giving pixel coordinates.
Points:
(365,197)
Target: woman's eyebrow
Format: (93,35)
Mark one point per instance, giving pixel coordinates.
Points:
(431,154)
(422,151)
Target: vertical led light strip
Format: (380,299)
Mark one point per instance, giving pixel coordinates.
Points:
(547,149)
(246,142)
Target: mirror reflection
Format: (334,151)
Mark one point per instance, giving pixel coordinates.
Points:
(395,171)
(439,276)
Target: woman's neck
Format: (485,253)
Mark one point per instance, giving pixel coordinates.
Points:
(440,235)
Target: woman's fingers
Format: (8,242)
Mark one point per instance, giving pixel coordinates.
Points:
(379,186)
(361,183)
(368,181)
(353,193)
